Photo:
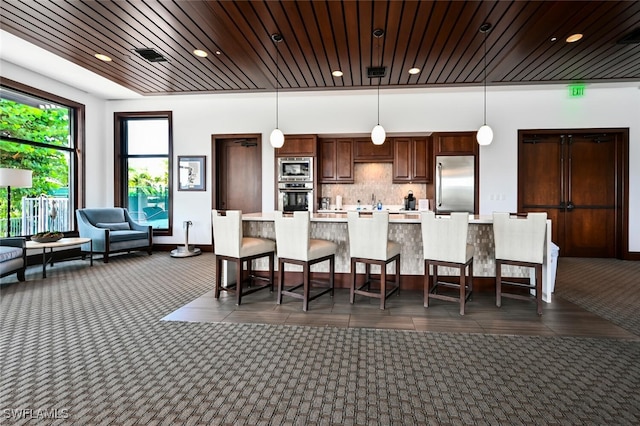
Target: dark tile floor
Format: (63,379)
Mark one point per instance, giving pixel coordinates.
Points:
(405,312)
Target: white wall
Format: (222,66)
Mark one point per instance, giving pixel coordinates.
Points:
(196,117)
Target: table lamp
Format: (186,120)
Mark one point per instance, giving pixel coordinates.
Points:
(17,178)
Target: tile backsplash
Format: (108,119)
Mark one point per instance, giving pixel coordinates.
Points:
(372,178)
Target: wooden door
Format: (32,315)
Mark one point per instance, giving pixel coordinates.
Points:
(574,177)
(237,173)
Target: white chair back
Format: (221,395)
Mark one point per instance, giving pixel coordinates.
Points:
(445,238)
(368,234)
(227,232)
(520,239)
(292,235)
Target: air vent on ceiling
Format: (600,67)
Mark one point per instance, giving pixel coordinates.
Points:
(151,55)
(632,38)
(376,72)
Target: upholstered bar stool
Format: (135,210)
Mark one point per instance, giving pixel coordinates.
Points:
(297,247)
(230,245)
(444,243)
(520,242)
(369,244)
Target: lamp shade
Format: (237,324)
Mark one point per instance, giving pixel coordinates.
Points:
(15,178)
(276,138)
(378,135)
(484,135)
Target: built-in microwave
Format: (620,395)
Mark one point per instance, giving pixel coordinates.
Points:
(295,169)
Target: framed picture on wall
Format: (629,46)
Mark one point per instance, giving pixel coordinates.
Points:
(192,173)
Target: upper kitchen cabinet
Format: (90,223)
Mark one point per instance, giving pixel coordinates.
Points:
(298,146)
(455,143)
(336,161)
(364,151)
(412,160)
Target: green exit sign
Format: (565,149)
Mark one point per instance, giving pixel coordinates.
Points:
(576,90)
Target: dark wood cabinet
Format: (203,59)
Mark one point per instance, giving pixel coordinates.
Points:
(298,146)
(455,143)
(412,160)
(335,161)
(364,151)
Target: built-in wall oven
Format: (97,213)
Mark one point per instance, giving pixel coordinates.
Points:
(295,196)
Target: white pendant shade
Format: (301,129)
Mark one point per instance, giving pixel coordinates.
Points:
(484,135)
(378,135)
(277,138)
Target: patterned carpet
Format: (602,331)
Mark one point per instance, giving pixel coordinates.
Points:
(87,344)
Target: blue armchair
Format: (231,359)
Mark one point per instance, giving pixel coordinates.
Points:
(13,257)
(112,230)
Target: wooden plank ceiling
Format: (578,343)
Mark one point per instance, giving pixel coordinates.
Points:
(442,38)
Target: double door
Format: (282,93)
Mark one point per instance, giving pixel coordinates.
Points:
(577,179)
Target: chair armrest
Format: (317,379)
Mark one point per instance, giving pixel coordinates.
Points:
(87,230)
(135,225)
(20,242)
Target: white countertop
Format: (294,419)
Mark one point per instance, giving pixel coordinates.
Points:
(341,217)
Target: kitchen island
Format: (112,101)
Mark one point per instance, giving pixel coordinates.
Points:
(405,228)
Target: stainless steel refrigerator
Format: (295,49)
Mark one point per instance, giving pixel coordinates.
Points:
(455,183)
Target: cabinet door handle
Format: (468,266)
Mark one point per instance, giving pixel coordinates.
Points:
(570,206)
(439,184)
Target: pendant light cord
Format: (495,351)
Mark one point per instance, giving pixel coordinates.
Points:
(485,77)
(379,80)
(277,81)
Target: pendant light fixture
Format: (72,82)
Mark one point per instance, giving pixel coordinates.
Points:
(277,137)
(378,134)
(485,133)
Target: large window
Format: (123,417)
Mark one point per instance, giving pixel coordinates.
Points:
(143,167)
(39,132)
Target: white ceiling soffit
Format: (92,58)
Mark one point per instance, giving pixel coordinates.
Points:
(26,55)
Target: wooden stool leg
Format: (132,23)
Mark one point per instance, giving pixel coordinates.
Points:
(427,283)
(306,275)
(397,266)
(218,281)
(463,289)
(352,296)
(539,288)
(332,270)
(239,273)
(383,285)
(498,283)
(280,280)
(271,274)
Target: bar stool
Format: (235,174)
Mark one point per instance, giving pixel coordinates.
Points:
(444,243)
(520,242)
(295,246)
(230,245)
(369,244)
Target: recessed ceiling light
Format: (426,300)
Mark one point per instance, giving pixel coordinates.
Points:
(414,70)
(337,73)
(554,38)
(102,57)
(200,53)
(573,38)
(218,52)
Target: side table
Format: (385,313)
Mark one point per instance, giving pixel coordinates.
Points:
(63,242)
